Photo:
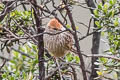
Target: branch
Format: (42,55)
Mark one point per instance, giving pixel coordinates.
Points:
(7,9)
(38,22)
(22,53)
(2,57)
(86,7)
(104,56)
(89,34)
(12,34)
(89,25)
(76,40)
(20,26)
(52,73)
(29,37)
(3,64)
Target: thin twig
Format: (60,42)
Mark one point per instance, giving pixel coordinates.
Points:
(29,37)
(2,57)
(7,9)
(89,34)
(3,64)
(102,56)
(89,25)
(52,73)
(22,53)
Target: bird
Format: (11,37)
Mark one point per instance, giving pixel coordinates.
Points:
(58,44)
(61,42)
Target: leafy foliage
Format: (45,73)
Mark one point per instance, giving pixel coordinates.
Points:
(19,25)
(22,67)
(108,18)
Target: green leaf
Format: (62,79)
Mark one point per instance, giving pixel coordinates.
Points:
(100,73)
(103,60)
(77,27)
(98,24)
(100,6)
(69,57)
(68,26)
(96,13)
(116,23)
(4,75)
(15,53)
(110,14)
(105,9)
(106,6)
(12,78)
(112,2)
(12,14)
(77,59)
(113,13)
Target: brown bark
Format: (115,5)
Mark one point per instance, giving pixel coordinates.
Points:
(40,42)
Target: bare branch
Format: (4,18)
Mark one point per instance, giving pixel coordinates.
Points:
(7,9)
(2,64)
(2,57)
(22,53)
(102,56)
(76,40)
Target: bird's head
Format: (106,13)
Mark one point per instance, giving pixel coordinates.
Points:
(54,24)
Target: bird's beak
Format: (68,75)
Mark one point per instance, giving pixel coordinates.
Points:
(63,29)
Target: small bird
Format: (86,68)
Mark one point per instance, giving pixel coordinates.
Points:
(60,43)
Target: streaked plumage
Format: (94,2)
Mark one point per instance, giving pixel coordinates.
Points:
(60,44)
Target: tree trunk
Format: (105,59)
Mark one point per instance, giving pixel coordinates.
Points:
(40,42)
(95,50)
(95,43)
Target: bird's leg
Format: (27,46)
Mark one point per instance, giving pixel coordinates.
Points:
(46,54)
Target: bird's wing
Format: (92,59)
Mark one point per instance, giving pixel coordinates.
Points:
(68,40)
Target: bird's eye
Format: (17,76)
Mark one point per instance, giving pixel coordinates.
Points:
(55,29)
